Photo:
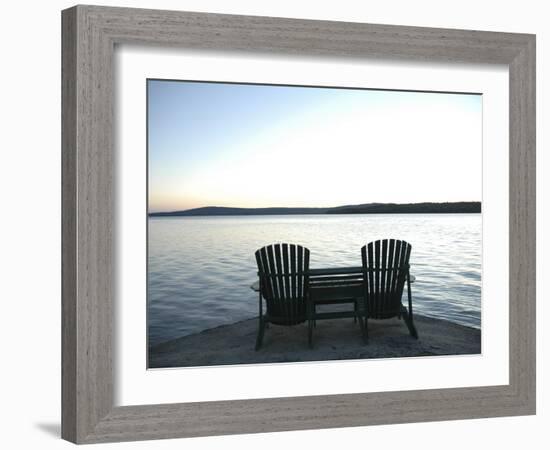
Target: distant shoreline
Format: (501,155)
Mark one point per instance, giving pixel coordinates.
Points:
(368,208)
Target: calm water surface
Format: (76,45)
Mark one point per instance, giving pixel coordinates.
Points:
(200,268)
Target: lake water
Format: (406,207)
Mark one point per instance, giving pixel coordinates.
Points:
(200,268)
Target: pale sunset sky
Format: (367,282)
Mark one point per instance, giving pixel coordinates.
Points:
(218,144)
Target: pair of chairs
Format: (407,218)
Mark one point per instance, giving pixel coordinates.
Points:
(283,271)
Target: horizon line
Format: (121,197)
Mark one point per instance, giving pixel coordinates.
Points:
(313,207)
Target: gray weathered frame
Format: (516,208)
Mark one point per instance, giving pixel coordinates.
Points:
(89,36)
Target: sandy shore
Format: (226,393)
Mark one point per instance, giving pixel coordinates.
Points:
(333,340)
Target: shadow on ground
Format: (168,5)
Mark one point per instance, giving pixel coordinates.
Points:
(53,429)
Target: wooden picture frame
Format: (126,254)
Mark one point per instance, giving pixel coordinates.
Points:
(89,37)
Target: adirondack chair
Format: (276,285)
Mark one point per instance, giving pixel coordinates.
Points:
(282,272)
(385,271)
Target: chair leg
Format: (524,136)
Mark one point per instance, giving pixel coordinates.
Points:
(310,333)
(311,322)
(364,331)
(362,322)
(260,337)
(314,309)
(409,322)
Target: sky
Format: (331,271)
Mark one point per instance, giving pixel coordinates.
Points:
(242,145)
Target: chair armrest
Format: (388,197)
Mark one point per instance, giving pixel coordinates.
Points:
(412,278)
(255,286)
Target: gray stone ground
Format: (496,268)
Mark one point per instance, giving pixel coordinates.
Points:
(335,339)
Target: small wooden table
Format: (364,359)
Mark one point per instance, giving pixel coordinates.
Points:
(336,286)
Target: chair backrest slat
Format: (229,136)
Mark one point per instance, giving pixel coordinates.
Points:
(305,268)
(384,297)
(282,269)
(271,269)
(389,273)
(263,267)
(279,278)
(293,280)
(300,292)
(385,267)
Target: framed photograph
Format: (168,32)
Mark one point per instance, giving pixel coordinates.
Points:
(318,146)
(279,224)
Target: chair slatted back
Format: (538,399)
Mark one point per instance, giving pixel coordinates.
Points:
(385,268)
(282,269)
